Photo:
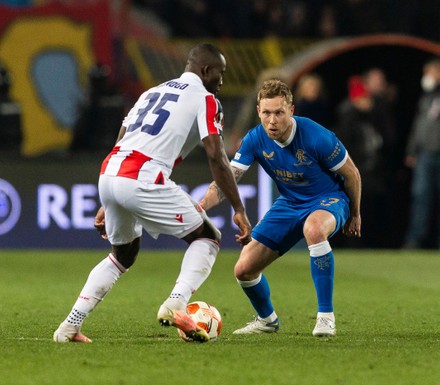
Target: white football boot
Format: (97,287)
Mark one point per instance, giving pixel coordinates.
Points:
(259,326)
(325,327)
(69,333)
(173,313)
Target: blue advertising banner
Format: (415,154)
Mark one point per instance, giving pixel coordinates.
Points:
(52,204)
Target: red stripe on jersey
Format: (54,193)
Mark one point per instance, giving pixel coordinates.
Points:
(107,159)
(131,165)
(211,111)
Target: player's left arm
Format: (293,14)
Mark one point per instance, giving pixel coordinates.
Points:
(214,195)
(239,165)
(353,188)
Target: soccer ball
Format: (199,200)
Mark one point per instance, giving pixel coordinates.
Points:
(206,317)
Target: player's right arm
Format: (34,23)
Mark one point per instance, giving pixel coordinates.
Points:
(224,179)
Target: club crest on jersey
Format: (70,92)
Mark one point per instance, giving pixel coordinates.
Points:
(219,119)
(302,159)
(268,156)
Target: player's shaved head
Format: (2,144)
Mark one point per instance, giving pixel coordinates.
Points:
(201,55)
(208,62)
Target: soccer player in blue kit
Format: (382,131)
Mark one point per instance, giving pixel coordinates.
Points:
(320,191)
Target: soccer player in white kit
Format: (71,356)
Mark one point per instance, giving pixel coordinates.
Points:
(136,191)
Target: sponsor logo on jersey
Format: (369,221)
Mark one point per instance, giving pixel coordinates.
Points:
(179,217)
(268,156)
(336,151)
(289,177)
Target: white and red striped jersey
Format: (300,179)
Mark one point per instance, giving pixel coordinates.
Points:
(162,128)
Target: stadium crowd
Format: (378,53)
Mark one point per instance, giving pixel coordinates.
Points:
(244,19)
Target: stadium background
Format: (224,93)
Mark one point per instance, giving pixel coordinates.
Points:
(48,194)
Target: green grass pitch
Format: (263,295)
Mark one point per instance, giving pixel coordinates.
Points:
(387,305)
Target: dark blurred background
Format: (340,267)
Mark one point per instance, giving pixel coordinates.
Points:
(69,72)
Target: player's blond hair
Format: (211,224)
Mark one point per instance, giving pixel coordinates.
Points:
(273,88)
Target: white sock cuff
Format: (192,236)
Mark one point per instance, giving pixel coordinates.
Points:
(115,262)
(254,282)
(271,318)
(212,244)
(320,249)
(326,315)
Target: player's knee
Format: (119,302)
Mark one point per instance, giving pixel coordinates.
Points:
(314,233)
(127,254)
(242,272)
(206,230)
(239,271)
(211,232)
(216,235)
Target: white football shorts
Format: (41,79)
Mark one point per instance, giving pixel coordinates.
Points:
(131,205)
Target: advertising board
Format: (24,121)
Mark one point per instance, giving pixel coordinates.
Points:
(52,204)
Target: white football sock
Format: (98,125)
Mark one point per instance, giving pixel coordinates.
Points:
(271,318)
(100,281)
(250,283)
(196,267)
(326,315)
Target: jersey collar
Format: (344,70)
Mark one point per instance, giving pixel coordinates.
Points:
(192,76)
(292,134)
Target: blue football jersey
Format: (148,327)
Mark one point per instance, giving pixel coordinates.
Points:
(303,167)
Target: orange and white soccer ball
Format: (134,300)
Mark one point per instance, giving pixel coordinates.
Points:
(206,316)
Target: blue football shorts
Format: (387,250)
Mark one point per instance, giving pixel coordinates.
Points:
(282,226)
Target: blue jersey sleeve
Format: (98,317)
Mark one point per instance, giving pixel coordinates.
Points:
(330,150)
(245,156)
